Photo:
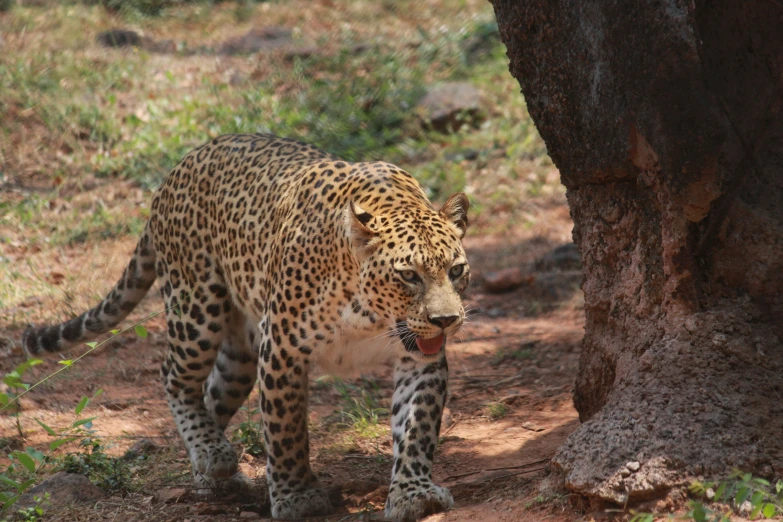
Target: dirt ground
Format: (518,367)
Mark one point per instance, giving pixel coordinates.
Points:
(519,349)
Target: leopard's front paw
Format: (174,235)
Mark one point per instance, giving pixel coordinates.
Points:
(308,503)
(409,501)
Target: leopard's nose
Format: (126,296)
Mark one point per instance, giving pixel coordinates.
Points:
(444,321)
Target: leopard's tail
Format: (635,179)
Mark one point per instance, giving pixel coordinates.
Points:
(136,280)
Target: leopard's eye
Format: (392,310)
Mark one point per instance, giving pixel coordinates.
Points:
(456,271)
(409,276)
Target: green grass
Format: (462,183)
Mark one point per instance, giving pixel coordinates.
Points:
(496,411)
(359,106)
(360,410)
(72,111)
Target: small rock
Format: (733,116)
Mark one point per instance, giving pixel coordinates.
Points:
(633,466)
(257,39)
(170,495)
(303,52)
(496,312)
(159,46)
(720,339)
(532,427)
(710,494)
(63,489)
(447,107)
(249,514)
(461,155)
(360,48)
(119,38)
(506,280)
(564,257)
(625,473)
(142,447)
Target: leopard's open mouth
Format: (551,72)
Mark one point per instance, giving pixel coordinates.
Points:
(414,343)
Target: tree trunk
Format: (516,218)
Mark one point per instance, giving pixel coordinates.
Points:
(664,120)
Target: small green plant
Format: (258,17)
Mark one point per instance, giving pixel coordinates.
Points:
(363,412)
(250,432)
(497,410)
(13,380)
(766,500)
(25,465)
(108,473)
(541,500)
(753,497)
(33,513)
(523,353)
(20,474)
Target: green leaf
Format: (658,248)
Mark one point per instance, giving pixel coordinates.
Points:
(25,460)
(81,405)
(98,392)
(742,495)
(92,344)
(59,442)
(82,422)
(720,491)
(140,331)
(747,477)
(25,485)
(12,380)
(29,363)
(757,498)
(66,362)
(114,332)
(10,502)
(4,399)
(778,486)
(697,487)
(699,512)
(35,454)
(759,480)
(10,482)
(23,367)
(769,510)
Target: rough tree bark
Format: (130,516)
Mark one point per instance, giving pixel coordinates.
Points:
(664,119)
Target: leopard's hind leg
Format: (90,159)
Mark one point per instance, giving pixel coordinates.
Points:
(199,316)
(230,382)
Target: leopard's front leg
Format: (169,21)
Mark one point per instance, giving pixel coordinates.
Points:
(294,490)
(417,406)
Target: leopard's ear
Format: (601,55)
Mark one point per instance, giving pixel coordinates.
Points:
(362,237)
(455,210)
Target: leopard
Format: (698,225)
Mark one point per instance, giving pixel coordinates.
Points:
(276,259)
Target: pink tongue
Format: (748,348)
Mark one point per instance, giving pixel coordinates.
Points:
(430,346)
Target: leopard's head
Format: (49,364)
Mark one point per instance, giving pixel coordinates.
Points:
(413,268)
